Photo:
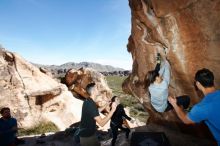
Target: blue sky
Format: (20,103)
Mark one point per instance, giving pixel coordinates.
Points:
(60,31)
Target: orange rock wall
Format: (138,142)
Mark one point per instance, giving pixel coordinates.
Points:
(190,32)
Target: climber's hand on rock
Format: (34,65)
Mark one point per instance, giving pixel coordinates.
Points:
(162,50)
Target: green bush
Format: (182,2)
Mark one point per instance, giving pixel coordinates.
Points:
(39,129)
(134,112)
(139,107)
(143,114)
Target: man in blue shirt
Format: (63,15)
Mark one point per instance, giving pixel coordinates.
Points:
(206,110)
(8,128)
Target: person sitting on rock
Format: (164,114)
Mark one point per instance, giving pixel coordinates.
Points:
(117,120)
(207,109)
(90,116)
(158,81)
(8,128)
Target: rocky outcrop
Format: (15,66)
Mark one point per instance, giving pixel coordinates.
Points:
(77,80)
(187,32)
(33,96)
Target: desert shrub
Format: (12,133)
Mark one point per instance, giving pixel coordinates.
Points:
(142,114)
(139,107)
(39,129)
(134,112)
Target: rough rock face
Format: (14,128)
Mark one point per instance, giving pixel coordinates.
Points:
(77,80)
(187,31)
(34,96)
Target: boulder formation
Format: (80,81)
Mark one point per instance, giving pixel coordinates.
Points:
(77,80)
(33,96)
(187,32)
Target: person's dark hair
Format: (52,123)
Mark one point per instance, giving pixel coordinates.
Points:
(205,77)
(113,98)
(89,88)
(151,77)
(4,109)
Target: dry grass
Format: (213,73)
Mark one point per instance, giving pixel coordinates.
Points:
(39,129)
(136,109)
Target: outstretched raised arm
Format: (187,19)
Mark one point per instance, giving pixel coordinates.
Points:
(165,71)
(102,121)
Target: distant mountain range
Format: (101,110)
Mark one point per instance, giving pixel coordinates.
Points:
(60,70)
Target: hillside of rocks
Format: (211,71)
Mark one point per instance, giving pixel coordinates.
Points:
(60,70)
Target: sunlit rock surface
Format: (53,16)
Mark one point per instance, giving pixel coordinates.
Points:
(77,80)
(188,31)
(33,96)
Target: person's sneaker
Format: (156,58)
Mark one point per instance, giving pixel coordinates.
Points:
(158,58)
